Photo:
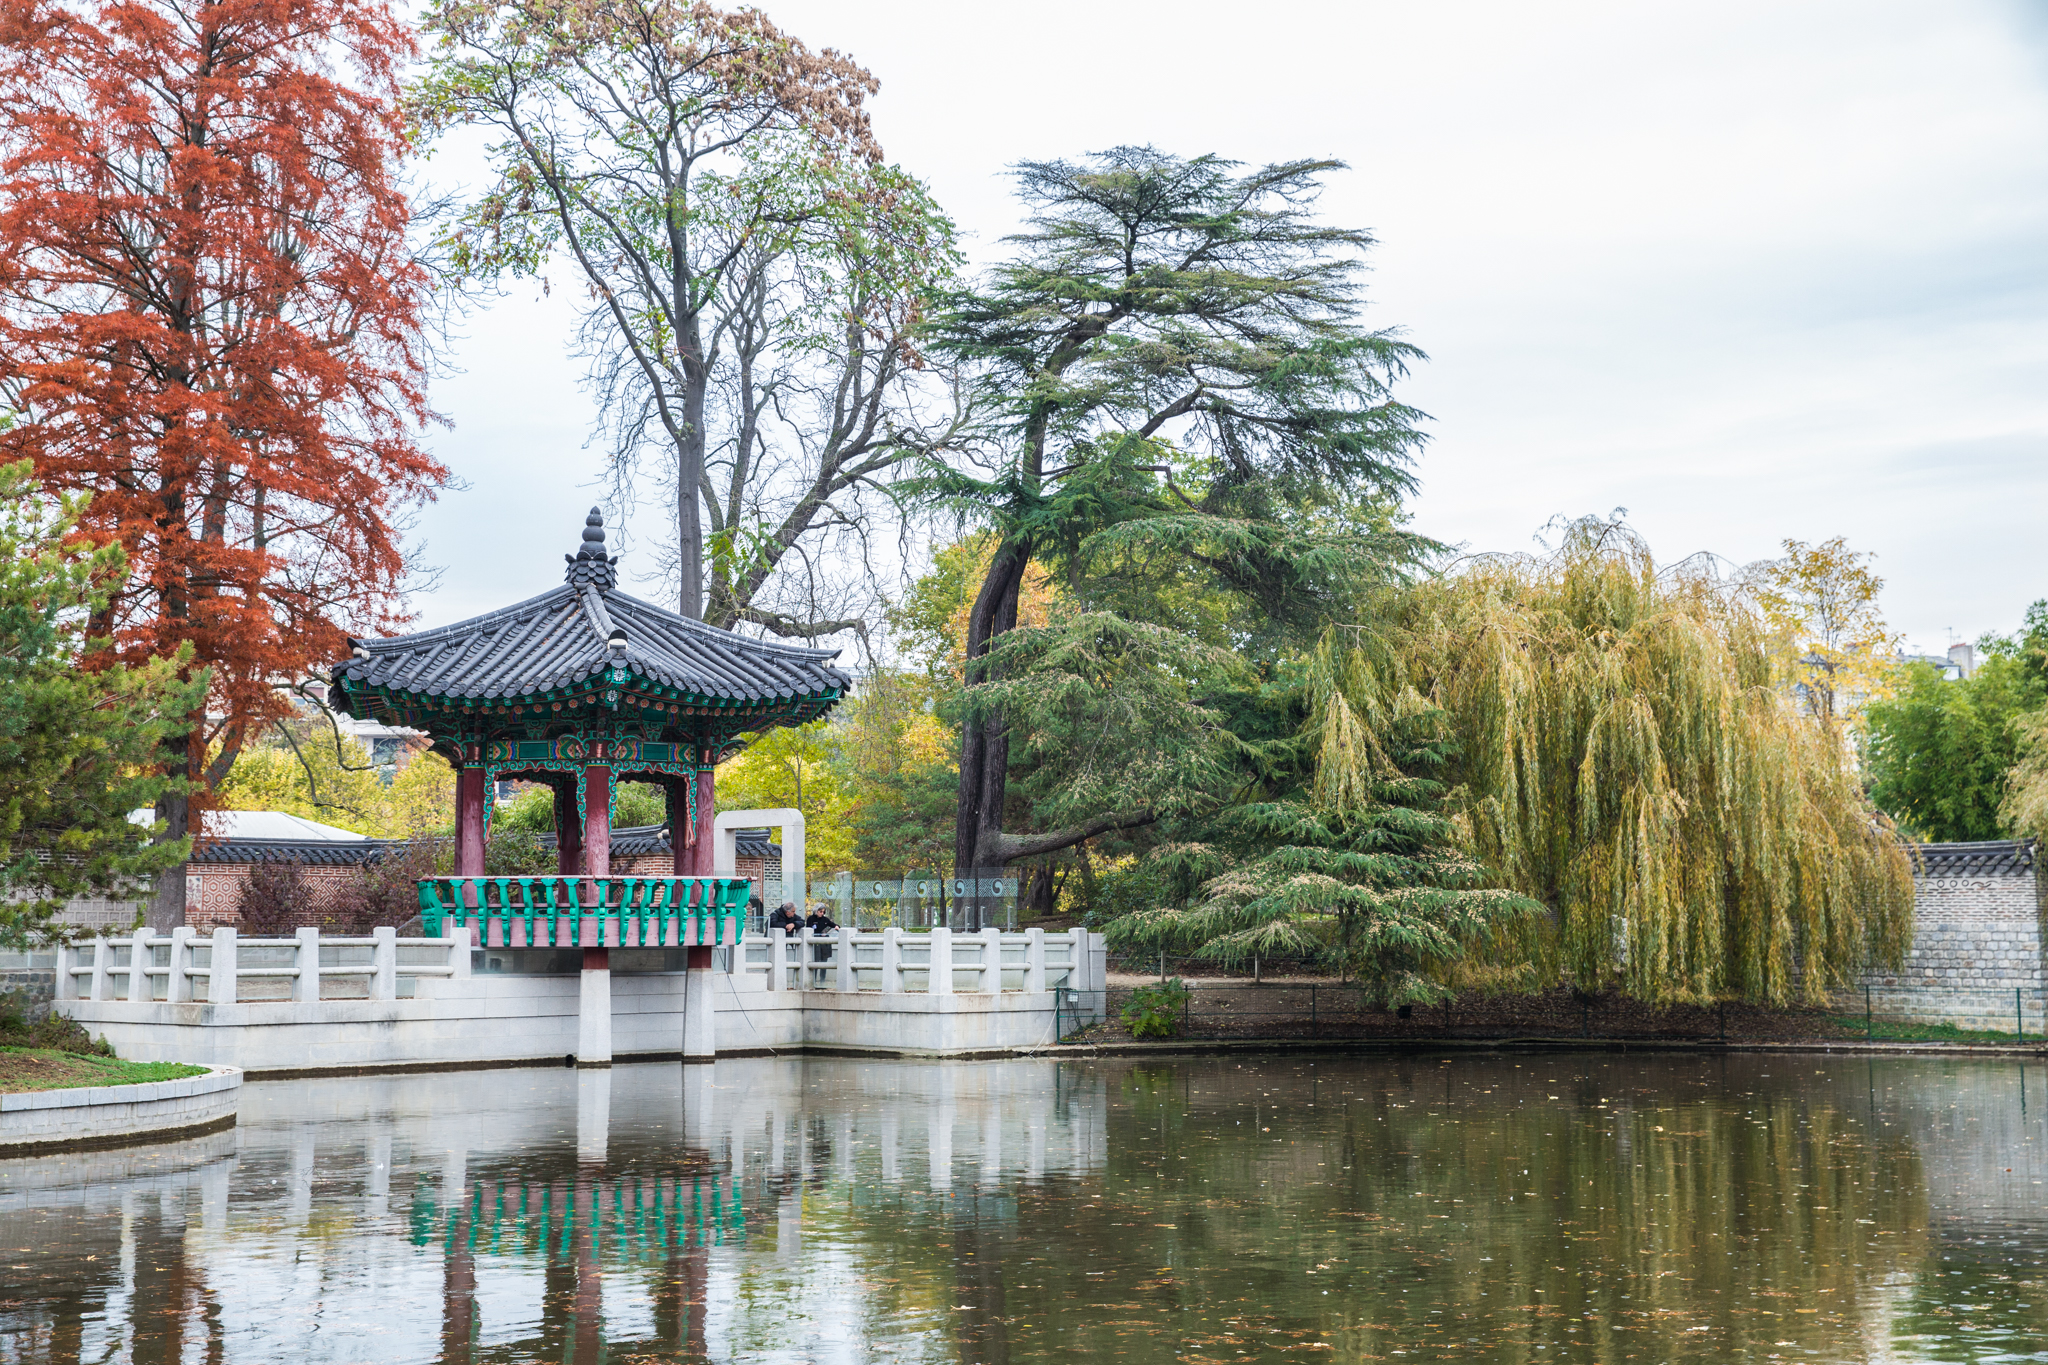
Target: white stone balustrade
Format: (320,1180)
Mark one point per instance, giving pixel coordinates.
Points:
(318,1001)
(907,962)
(180,968)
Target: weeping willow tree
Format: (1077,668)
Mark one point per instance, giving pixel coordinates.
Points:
(1626,756)
(1342,854)
(2025,809)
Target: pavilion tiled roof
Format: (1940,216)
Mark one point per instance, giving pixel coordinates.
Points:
(1988,858)
(572,634)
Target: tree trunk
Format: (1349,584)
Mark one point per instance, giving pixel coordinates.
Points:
(690,476)
(167,905)
(984,745)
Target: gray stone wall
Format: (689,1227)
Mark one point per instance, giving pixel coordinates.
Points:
(1977,938)
(30,979)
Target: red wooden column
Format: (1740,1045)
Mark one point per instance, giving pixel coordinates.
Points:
(469,813)
(568,833)
(699,1029)
(594,1009)
(597,813)
(682,827)
(707,807)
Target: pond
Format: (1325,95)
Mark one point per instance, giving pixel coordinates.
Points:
(1472,1206)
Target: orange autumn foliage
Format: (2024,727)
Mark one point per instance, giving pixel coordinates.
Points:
(210,321)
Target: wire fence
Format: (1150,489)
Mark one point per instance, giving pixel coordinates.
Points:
(1287,1009)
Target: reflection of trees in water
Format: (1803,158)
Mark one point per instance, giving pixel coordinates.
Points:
(1606,1208)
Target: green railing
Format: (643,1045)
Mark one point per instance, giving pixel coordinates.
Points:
(552,911)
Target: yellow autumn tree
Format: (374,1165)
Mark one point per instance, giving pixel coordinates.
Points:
(797,766)
(1832,645)
(312,776)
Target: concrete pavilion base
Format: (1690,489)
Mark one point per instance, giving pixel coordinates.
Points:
(527,1020)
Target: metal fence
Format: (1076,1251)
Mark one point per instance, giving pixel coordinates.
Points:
(1302,1008)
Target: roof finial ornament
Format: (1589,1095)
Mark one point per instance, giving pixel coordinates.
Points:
(589,567)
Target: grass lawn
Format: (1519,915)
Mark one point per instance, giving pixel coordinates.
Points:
(1898,1031)
(43,1068)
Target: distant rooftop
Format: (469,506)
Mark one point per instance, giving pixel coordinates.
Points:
(275,825)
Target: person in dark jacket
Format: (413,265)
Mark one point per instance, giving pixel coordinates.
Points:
(818,922)
(786,919)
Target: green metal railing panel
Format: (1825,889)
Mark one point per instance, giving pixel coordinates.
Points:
(643,908)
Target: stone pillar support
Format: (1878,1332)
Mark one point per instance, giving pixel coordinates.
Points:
(700,979)
(594,1013)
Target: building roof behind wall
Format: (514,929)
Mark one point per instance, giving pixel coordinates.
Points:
(1989,858)
(639,841)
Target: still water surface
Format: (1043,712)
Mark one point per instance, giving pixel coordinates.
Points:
(1599,1207)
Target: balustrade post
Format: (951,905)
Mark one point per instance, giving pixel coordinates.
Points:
(992,960)
(892,961)
(1098,959)
(138,967)
(220,981)
(66,985)
(101,952)
(306,985)
(842,960)
(178,987)
(940,982)
(384,957)
(1034,961)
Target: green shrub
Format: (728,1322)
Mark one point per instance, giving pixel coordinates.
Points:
(1155,1011)
(53,1030)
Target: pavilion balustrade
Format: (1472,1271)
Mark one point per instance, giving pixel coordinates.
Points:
(587,911)
(225,968)
(906,962)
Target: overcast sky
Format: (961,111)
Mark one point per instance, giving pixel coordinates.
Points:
(1749,270)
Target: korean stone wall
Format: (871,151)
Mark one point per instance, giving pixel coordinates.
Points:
(1977,939)
(28,981)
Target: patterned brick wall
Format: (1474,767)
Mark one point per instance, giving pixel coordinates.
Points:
(1977,938)
(213,891)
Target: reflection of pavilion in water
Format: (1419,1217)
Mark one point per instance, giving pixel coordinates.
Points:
(566,1214)
(628,1236)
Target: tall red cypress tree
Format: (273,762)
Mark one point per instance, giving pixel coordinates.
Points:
(210,320)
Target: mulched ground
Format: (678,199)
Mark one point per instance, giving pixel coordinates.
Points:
(1284,1009)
